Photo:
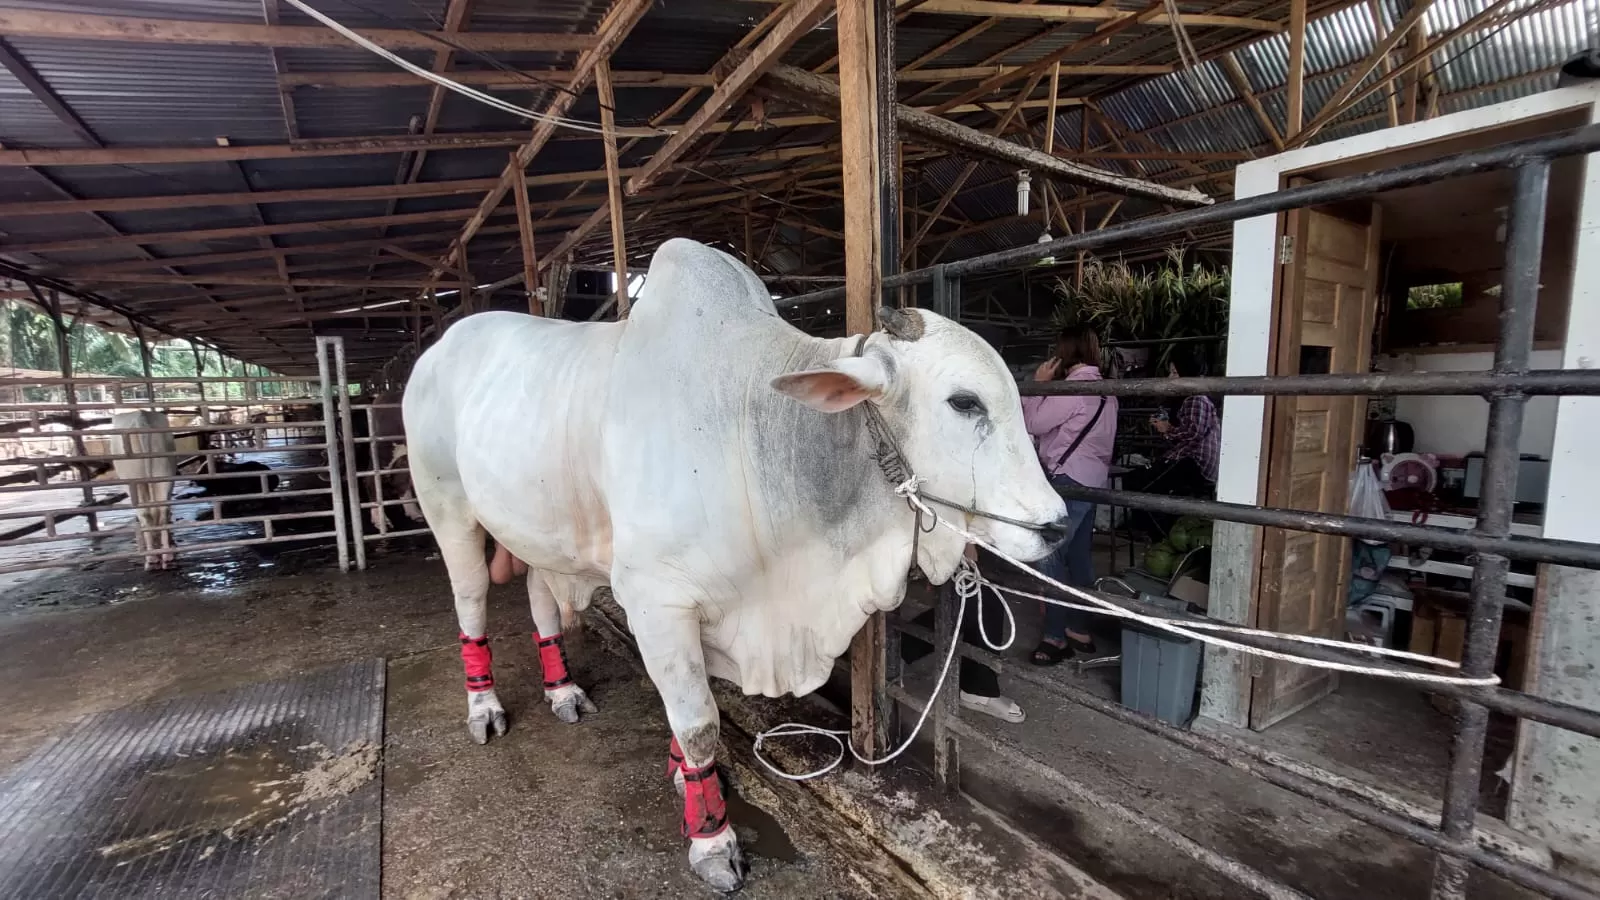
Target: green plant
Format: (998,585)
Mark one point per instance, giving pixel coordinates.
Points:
(1170,300)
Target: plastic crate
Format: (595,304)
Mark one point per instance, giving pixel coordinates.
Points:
(1160,673)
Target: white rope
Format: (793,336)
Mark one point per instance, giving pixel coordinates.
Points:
(970,583)
(1192,630)
(473,93)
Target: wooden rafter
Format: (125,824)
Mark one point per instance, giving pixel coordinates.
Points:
(798,19)
(1248,94)
(495,78)
(616,26)
(130,29)
(825,95)
(35,85)
(619,241)
(1344,95)
(1107,29)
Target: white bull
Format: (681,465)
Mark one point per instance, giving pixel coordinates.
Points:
(147,455)
(710,462)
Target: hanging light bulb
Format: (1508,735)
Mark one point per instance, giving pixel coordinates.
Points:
(1045,238)
(1024,186)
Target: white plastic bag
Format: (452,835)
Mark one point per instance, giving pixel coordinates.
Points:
(1366,496)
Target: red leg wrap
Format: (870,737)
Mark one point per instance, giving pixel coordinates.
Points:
(674,758)
(476,659)
(553,659)
(705,812)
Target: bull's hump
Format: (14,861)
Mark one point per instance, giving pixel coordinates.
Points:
(688,277)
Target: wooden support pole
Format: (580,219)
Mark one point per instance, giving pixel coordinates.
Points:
(1391,97)
(1297,68)
(1416,47)
(619,241)
(749,232)
(860,132)
(530,258)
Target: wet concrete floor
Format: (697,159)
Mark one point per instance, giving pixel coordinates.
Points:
(550,810)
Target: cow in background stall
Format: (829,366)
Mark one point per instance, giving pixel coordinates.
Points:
(387,455)
(721,471)
(148,454)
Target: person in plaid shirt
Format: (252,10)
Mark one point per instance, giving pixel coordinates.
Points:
(1196,438)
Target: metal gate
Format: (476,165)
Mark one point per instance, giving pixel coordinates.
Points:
(377,477)
(250,455)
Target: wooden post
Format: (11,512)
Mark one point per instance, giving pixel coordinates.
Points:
(1391,98)
(749,232)
(1417,46)
(530,258)
(1050,122)
(865,110)
(619,243)
(64,359)
(1297,69)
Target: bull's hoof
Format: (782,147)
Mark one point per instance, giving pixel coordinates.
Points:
(479,727)
(484,713)
(569,702)
(718,862)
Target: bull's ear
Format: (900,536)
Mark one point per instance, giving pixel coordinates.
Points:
(843,384)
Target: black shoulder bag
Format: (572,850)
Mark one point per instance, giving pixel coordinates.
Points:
(1093,420)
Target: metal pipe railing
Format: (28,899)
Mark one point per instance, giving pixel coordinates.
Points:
(1507,387)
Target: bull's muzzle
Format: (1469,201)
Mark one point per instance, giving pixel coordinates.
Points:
(1056,532)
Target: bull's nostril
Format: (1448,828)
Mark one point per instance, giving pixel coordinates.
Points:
(1057,531)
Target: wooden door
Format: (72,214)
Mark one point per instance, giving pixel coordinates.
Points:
(1327,299)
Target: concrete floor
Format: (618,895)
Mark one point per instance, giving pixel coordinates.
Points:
(548,811)
(1307,846)
(561,811)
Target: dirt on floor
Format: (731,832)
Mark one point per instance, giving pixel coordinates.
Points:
(549,810)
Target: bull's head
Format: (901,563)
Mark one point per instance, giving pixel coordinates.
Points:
(955,411)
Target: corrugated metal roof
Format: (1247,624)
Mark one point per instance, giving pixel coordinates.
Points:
(136,94)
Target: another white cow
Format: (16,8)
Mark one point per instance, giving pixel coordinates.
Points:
(712,464)
(136,459)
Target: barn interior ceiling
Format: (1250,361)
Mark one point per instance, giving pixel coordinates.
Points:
(237,172)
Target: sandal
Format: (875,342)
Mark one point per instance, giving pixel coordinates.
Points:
(1048,654)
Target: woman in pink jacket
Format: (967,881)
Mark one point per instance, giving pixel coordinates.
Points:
(1075,436)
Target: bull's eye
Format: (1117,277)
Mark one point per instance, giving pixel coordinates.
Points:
(966,404)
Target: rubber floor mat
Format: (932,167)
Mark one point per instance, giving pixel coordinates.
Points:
(268,791)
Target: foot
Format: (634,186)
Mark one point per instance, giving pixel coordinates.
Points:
(568,701)
(484,713)
(1003,708)
(1049,653)
(718,861)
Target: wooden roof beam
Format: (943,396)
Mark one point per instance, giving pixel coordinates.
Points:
(823,94)
(35,85)
(614,28)
(1122,21)
(495,78)
(1062,13)
(743,71)
(132,29)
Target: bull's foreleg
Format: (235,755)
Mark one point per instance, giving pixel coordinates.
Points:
(469,583)
(566,699)
(669,642)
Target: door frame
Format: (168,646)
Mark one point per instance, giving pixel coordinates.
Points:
(1226,679)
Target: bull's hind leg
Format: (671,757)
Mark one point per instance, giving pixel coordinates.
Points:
(565,697)
(668,634)
(461,546)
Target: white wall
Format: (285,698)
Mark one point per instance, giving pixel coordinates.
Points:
(1456,426)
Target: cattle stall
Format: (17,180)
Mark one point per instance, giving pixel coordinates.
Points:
(1464,848)
(251,453)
